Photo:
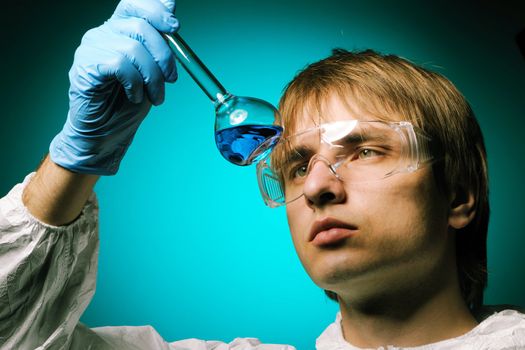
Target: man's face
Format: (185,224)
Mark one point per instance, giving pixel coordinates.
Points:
(366,238)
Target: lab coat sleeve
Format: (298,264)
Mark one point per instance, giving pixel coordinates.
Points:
(47,279)
(47,274)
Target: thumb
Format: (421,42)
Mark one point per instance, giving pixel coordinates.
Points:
(170,5)
(154,12)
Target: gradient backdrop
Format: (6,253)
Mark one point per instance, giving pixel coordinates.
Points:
(187,245)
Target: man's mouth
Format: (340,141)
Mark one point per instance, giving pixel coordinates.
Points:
(330,231)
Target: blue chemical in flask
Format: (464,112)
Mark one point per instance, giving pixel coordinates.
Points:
(245,129)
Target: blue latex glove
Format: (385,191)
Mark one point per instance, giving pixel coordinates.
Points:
(119,71)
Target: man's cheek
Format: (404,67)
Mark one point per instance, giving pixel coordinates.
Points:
(295,231)
(296,223)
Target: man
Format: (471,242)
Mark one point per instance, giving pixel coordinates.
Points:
(398,240)
(379,171)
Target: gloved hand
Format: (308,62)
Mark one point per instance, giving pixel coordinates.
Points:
(119,71)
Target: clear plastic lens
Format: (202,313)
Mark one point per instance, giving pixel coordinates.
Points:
(354,151)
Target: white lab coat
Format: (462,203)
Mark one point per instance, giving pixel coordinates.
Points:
(48,275)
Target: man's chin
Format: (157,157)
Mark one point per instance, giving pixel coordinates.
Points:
(341,278)
(331,276)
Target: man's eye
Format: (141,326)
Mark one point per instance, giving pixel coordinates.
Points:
(367,153)
(301,171)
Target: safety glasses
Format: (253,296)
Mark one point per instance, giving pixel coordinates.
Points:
(354,152)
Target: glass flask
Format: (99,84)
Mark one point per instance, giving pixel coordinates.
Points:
(245,127)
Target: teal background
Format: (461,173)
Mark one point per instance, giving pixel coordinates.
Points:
(187,245)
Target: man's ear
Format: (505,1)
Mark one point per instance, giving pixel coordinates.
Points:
(461,207)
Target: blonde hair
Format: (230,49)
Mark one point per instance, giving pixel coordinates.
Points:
(389,87)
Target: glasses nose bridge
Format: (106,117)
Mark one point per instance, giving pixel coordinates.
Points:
(320,158)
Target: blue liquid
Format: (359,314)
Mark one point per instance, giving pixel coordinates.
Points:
(245,144)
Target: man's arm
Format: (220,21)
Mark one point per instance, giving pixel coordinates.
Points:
(56,195)
(48,272)
(118,72)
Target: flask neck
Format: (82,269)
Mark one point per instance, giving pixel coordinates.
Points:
(196,69)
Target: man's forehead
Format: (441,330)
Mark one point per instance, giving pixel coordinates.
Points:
(331,109)
(336,108)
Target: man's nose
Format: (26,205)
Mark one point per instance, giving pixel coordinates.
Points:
(322,185)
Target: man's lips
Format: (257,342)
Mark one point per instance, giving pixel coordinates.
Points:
(330,231)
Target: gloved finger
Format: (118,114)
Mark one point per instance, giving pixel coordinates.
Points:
(121,68)
(119,47)
(144,63)
(170,5)
(151,39)
(97,62)
(154,12)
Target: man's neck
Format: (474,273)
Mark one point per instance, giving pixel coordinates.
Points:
(405,321)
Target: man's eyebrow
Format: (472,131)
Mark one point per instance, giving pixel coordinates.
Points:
(295,154)
(301,152)
(362,137)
